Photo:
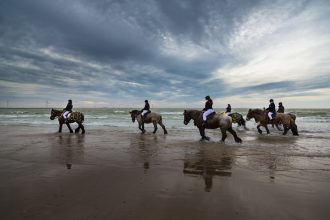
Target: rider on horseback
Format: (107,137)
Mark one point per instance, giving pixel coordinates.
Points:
(280,108)
(271,110)
(67,110)
(208,109)
(228,110)
(145,110)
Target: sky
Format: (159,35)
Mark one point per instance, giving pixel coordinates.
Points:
(109,53)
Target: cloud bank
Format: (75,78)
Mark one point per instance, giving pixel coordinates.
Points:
(119,53)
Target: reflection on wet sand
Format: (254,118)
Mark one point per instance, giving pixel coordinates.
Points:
(70,149)
(209,163)
(144,149)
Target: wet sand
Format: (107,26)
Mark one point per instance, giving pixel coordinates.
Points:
(116,173)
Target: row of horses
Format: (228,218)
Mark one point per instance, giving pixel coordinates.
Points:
(216,120)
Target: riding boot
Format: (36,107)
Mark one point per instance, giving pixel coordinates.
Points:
(204,123)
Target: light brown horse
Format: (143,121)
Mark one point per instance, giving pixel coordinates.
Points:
(150,118)
(287,120)
(221,121)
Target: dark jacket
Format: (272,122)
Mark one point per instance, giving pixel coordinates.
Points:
(146,107)
(280,109)
(271,107)
(68,107)
(228,109)
(208,105)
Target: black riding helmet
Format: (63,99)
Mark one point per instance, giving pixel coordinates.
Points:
(207,97)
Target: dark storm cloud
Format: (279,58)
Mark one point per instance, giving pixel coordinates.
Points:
(172,51)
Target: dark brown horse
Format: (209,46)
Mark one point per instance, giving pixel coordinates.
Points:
(150,118)
(221,121)
(77,117)
(261,117)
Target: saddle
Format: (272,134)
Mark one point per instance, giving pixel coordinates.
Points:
(145,115)
(210,116)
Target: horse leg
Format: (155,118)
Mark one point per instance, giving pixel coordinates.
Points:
(224,134)
(294,129)
(278,128)
(237,139)
(60,127)
(259,130)
(266,128)
(155,127)
(286,129)
(82,128)
(77,129)
(163,126)
(67,124)
(141,127)
(202,133)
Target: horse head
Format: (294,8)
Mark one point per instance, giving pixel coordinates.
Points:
(249,115)
(187,117)
(134,113)
(54,113)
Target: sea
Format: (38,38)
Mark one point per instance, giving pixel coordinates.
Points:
(309,121)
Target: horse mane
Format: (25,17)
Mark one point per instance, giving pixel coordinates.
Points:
(193,113)
(135,111)
(257,111)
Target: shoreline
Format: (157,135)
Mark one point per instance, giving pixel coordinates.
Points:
(114,173)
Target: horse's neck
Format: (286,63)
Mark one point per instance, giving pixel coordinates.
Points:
(195,114)
(59,113)
(259,115)
(139,118)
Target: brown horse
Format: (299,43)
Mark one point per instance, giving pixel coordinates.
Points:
(221,121)
(77,117)
(150,118)
(287,120)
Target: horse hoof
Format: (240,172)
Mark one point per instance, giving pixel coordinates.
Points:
(238,140)
(260,132)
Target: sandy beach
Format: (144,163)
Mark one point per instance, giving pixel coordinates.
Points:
(115,173)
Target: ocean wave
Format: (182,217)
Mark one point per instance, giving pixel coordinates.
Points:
(171,113)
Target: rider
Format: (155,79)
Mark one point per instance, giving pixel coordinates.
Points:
(228,110)
(280,108)
(271,109)
(146,109)
(67,110)
(208,109)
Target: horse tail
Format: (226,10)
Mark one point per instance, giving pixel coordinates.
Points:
(294,128)
(242,121)
(82,117)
